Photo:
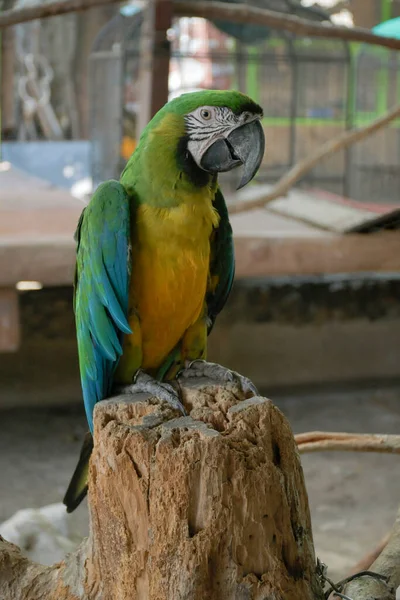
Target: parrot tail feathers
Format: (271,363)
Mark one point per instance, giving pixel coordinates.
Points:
(78,487)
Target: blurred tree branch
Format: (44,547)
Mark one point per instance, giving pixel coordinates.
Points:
(241,13)
(237,13)
(384,559)
(365,563)
(387,564)
(342,141)
(315,441)
(16,16)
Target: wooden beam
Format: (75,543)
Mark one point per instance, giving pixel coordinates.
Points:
(16,16)
(236,13)
(243,13)
(352,253)
(9,320)
(154,60)
(52,262)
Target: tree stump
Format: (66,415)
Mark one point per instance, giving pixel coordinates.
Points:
(209,506)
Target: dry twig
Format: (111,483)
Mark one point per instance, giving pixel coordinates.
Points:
(365,563)
(318,441)
(384,561)
(388,565)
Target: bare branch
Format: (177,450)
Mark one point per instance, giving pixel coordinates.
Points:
(319,441)
(241,13)
(387,564)
(50,9)
(236,13)
(342,141)
(367,560)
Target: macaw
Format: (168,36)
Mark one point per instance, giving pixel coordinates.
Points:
(155,259)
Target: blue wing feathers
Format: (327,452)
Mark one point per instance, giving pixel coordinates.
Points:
(104,335)
(102,289)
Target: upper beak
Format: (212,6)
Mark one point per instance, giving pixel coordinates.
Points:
(244,145)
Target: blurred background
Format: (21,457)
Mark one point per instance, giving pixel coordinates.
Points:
(314,316)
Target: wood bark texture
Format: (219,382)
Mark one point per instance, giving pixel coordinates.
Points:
(208,506)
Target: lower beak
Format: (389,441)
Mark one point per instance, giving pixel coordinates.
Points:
(243,146)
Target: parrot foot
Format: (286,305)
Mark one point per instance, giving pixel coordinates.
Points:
(202,368)
(146,384)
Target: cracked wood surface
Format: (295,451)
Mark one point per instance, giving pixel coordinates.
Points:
(212,505)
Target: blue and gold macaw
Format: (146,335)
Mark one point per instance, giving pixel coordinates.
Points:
(155,260)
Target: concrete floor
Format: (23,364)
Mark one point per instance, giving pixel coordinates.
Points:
(353,497)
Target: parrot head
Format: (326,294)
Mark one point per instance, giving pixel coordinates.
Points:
(215,132)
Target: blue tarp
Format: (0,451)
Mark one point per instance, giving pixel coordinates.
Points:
(62,163)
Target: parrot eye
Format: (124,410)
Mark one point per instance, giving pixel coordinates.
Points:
(206,114)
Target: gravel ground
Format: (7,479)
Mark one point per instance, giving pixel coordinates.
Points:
(353,497)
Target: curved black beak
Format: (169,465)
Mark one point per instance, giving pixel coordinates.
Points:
(244,146)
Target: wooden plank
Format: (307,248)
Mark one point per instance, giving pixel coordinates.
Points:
(21,191)
(36,239)
(37,224)
(263,223)
(386,221)
(374,207)
(352,253)
(9,321)
(51,261)
(311,212)
(320,212)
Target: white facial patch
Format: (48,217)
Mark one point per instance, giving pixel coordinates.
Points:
(207,124)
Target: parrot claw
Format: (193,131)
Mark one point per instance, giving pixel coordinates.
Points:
(202,368)
(164,391)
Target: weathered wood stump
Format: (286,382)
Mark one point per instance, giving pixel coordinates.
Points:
(208,506)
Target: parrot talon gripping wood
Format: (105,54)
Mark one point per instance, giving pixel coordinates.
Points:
(163,391)
(218,373)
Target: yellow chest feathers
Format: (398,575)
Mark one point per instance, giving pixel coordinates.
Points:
(169,243)
(188,223)
(170,265)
